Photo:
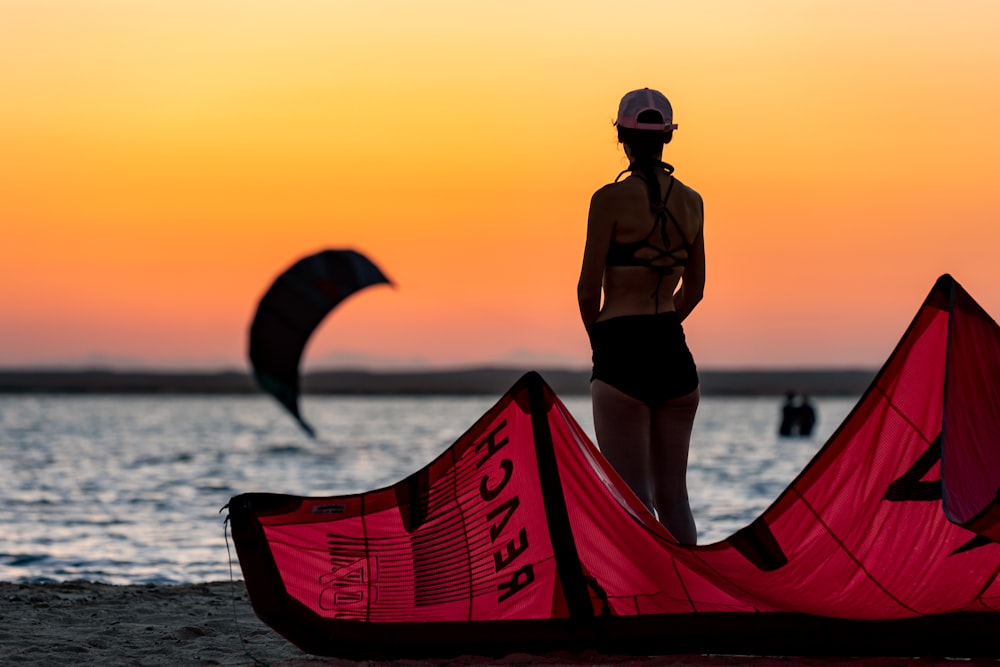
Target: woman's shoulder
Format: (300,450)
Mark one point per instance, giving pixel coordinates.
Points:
(686,191)
(617,191)
(688,200)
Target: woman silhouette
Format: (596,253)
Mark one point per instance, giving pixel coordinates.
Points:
(645,251)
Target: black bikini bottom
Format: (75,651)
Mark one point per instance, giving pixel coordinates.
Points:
(644,356)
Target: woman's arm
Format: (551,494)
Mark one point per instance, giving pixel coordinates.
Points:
(693,281)
(600,225)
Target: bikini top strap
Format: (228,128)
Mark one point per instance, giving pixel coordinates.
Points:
(665,166)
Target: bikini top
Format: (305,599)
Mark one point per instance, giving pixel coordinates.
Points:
(659,257)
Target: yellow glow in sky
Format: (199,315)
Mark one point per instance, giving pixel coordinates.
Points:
(163,161)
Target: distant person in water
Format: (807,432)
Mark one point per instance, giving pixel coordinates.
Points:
(807,416)
(798,416)
(645,251)
(789,416)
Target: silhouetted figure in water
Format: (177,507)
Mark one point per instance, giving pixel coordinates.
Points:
(807,416)
(789,419)
(798,416)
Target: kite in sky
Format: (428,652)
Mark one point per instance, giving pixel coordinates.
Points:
(292,308)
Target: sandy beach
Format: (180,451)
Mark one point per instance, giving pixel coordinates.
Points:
(83,623)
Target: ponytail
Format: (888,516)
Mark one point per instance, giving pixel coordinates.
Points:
(645,149)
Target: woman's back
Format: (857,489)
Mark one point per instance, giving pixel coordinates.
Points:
(647,252)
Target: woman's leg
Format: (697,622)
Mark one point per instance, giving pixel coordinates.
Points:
(671,440)
(622,426)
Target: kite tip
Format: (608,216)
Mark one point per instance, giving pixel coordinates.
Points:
(306,427)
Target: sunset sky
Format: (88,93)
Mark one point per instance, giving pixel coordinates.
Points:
(161,161)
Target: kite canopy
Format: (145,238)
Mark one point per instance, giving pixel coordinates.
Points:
(292,308)
(521,537)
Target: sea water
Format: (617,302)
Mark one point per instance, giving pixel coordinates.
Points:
(131,489)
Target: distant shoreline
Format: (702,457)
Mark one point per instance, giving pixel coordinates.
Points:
(470,381)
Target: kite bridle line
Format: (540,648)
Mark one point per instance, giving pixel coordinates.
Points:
(232,588)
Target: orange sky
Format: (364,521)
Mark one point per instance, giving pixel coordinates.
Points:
(161,161)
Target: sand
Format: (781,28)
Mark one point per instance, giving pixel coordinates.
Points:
(81,623)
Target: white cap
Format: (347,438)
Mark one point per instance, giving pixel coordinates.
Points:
(646,99)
